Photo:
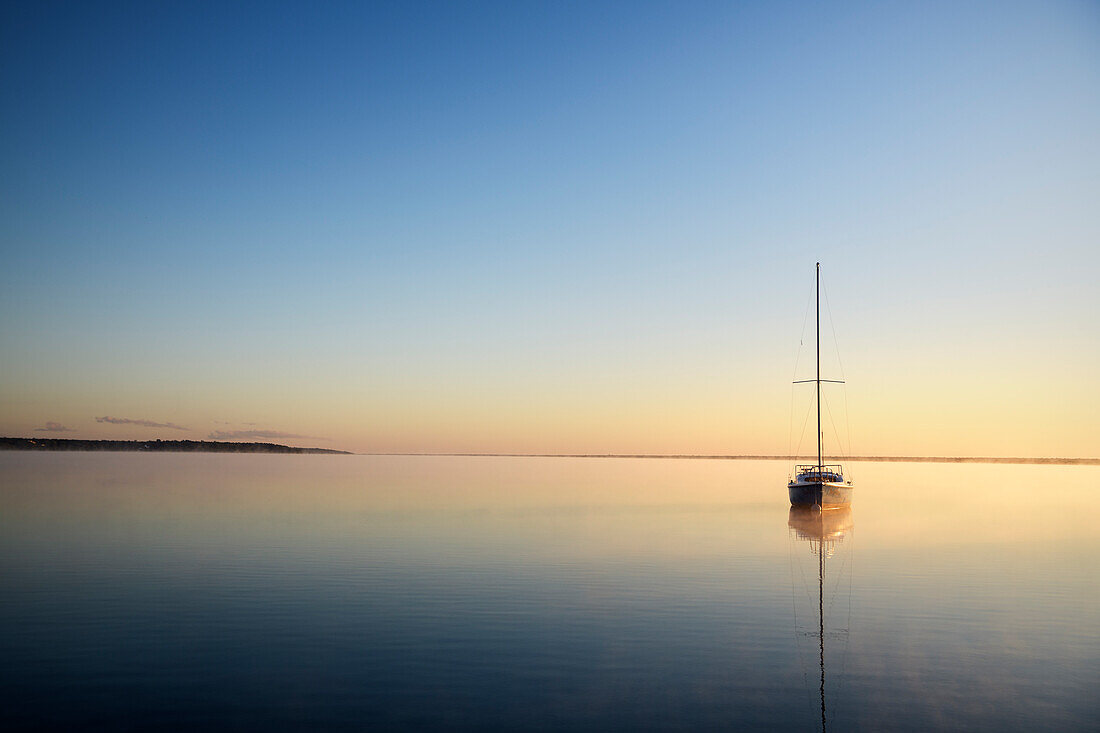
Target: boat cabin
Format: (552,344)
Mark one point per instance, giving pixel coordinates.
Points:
(819,474)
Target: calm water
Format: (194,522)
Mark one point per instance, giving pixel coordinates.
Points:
(264,592)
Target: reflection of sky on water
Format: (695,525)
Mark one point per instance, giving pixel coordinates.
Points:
(527,592)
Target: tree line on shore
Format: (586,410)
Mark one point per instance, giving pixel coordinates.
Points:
(167,446)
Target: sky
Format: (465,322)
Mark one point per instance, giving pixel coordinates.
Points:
(552,227)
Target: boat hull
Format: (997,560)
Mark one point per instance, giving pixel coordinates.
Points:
(827,495)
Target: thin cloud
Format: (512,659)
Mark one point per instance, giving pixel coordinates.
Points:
(250,434)
(142,423)
(54,427)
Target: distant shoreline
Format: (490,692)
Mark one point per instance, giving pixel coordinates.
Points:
(154,446)
(214,446)
(869,459)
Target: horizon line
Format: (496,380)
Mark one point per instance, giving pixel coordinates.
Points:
(719,457)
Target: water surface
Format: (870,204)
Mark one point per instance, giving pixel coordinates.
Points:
(263,592)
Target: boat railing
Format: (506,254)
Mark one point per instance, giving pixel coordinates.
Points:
(812,471)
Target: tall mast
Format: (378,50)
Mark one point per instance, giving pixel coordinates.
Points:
(817,285)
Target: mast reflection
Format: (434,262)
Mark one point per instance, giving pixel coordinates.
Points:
(825,531)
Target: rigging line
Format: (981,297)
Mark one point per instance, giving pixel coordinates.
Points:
(847,423)
(802,333)
(802,433)
(836,585)
(802,574)
(790,567)
(790,424)
(832,327)
(832,421)
(798,634)
(843,685)
(791,542)
(794,606)
(851,575)
(797,361)
(829,412)
(840,363)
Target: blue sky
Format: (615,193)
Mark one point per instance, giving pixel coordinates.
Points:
(319,214)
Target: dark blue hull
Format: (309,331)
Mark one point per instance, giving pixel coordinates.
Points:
(824,495)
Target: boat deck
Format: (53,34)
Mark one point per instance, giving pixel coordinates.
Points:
(819,474)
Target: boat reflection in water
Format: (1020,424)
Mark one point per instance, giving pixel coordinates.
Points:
(816,526)
(826,533)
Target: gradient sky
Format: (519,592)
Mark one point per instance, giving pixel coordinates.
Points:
(567,227)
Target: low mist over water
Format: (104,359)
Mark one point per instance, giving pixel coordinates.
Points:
(264,592)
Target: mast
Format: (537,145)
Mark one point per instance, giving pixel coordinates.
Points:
(817,288)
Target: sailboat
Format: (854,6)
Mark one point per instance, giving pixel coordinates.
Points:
(819,485)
